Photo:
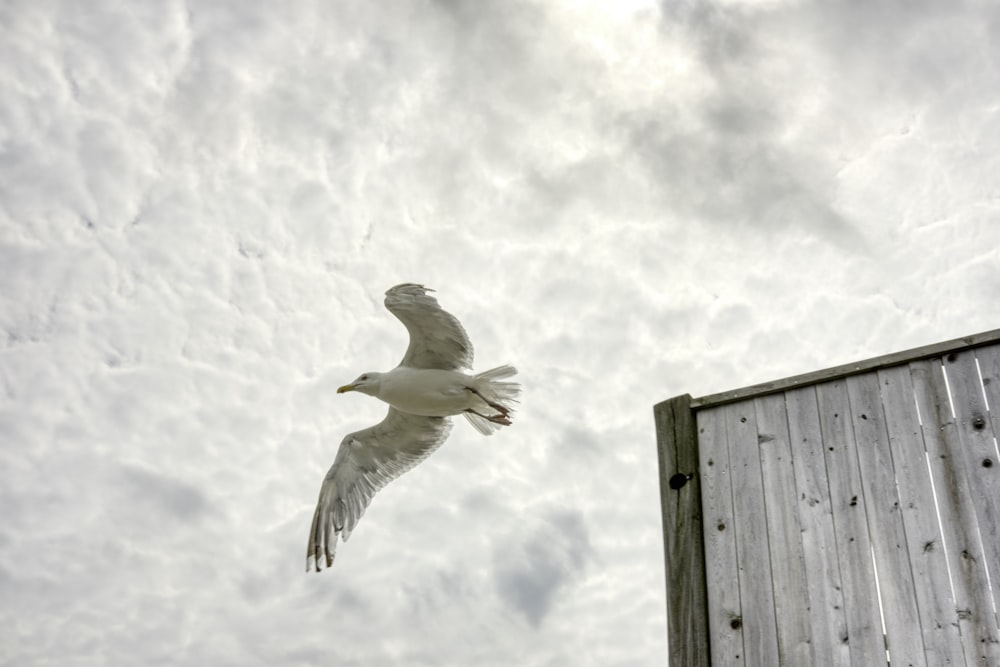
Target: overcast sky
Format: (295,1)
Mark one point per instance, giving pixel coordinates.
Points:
(202,204)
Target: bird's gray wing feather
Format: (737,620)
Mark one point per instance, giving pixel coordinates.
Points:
(366,461)
(437,339)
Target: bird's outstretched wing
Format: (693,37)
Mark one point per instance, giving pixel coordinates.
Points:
(366,461)
(437,339)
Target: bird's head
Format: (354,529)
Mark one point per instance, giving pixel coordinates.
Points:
(367,383)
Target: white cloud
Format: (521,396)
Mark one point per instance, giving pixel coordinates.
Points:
(535,563)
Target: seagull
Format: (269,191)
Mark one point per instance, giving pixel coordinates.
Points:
(423,391)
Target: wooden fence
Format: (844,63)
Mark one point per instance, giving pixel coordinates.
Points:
(845,517)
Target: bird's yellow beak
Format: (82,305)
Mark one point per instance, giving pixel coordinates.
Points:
(346,387)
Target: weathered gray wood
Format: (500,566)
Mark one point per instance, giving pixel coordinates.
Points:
(850,518)
(819,542)
(760,631)
(928,566)
(845,370)
(975,432)
(725,617)
(687,605)
(784,532)
(885,523)
(989,366)
(793,494)
(956,506)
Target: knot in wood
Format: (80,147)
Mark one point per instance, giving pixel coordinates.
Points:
(678,481)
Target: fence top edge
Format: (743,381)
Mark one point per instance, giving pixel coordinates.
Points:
(846,370)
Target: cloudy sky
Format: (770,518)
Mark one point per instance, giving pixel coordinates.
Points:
(202,203)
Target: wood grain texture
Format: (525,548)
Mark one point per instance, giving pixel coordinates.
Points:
(784,532)
(850,518)
(827,619)
(684,552)
(802,515)
(928,566)
(956,506)
(725,616)
(760,631)
(885,522)
(979,452)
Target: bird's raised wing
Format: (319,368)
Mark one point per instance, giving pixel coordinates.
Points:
(437,340)
(366,461)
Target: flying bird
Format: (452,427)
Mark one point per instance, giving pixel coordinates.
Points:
(423,391)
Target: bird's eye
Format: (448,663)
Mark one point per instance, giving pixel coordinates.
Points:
(364,377)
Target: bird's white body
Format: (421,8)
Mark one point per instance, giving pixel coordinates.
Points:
(428,392)
(439,392)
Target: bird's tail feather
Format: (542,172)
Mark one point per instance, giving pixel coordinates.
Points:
(494,392)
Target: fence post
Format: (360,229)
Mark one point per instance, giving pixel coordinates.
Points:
(683,540)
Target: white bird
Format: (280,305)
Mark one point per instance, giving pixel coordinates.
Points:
(422,392)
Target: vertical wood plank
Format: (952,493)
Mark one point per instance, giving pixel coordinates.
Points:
(899,604)
(975,433)
(956,506)
(989,366)
(850,518)
(784,532)
(684,552)
(725,618)
(929,568)
(760,632)
(826,603)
